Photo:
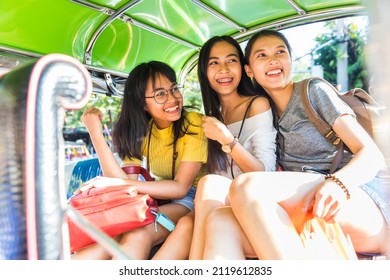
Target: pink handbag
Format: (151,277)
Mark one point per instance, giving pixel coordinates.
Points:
(112,209)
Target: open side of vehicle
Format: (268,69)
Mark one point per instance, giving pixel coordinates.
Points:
(44,66)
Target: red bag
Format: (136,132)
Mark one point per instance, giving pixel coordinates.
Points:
(112,209)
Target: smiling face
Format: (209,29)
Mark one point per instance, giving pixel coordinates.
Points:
(270,63)
(163,114)
(224,68)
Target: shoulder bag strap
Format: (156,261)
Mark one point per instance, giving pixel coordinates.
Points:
(322,126)
(174,157)
(246,113)
(239,132)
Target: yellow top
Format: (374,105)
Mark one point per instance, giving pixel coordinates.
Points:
(192,147)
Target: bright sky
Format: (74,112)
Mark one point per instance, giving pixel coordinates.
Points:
(302,44)
(302,38)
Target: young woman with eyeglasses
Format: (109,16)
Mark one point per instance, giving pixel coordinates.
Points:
(241,138)
(153,123)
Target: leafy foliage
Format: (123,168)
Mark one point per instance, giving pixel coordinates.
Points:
(109,106)
(192,95)
(327,55)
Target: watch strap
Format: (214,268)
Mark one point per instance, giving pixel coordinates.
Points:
(233,143)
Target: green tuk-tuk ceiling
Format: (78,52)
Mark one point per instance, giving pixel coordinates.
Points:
(112,36)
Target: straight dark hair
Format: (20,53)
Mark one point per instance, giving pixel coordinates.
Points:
(133,123)
(217,159)
(248,50)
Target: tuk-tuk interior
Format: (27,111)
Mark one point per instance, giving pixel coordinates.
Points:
(102,41)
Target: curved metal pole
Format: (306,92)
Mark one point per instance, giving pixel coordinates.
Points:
(111,85)
(296,7)
(304,19)
(115,15)
(219,16)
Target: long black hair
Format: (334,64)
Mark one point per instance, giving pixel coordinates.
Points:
(217,159)
(133,123)
(248,50)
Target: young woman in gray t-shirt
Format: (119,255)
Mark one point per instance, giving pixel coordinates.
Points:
(268,209)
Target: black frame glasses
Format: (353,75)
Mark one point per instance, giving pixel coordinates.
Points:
(161,95)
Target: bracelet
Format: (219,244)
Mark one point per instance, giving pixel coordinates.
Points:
(338,182)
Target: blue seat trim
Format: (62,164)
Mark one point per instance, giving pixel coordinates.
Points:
(83,171)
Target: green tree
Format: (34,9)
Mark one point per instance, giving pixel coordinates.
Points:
(327,56)
(192,95)
(109,106)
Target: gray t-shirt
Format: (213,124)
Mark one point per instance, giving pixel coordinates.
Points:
(299,143)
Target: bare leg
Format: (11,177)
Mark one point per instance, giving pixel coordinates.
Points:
(264,203)
(211,193)
(139,242)
(94,252)
(177,245)
(269,208)
(222,228)
(363,222)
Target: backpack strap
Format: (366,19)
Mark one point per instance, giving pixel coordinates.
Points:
(322,126)
(363,105)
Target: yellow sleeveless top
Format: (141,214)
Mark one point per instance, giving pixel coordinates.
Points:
(190,148)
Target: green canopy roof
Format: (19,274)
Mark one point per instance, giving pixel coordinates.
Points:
(112,36)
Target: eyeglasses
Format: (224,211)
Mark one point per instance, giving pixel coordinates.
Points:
(161,95)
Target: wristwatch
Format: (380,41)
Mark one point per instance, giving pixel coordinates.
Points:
(227,148)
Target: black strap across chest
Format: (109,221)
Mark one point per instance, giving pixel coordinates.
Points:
(174,155)
(239,132)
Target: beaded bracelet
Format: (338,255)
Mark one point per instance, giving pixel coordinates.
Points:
(338,182)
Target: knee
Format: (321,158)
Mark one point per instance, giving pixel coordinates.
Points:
(185,224)
(212,187)
(247,187)
(203,187)
(240,187)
